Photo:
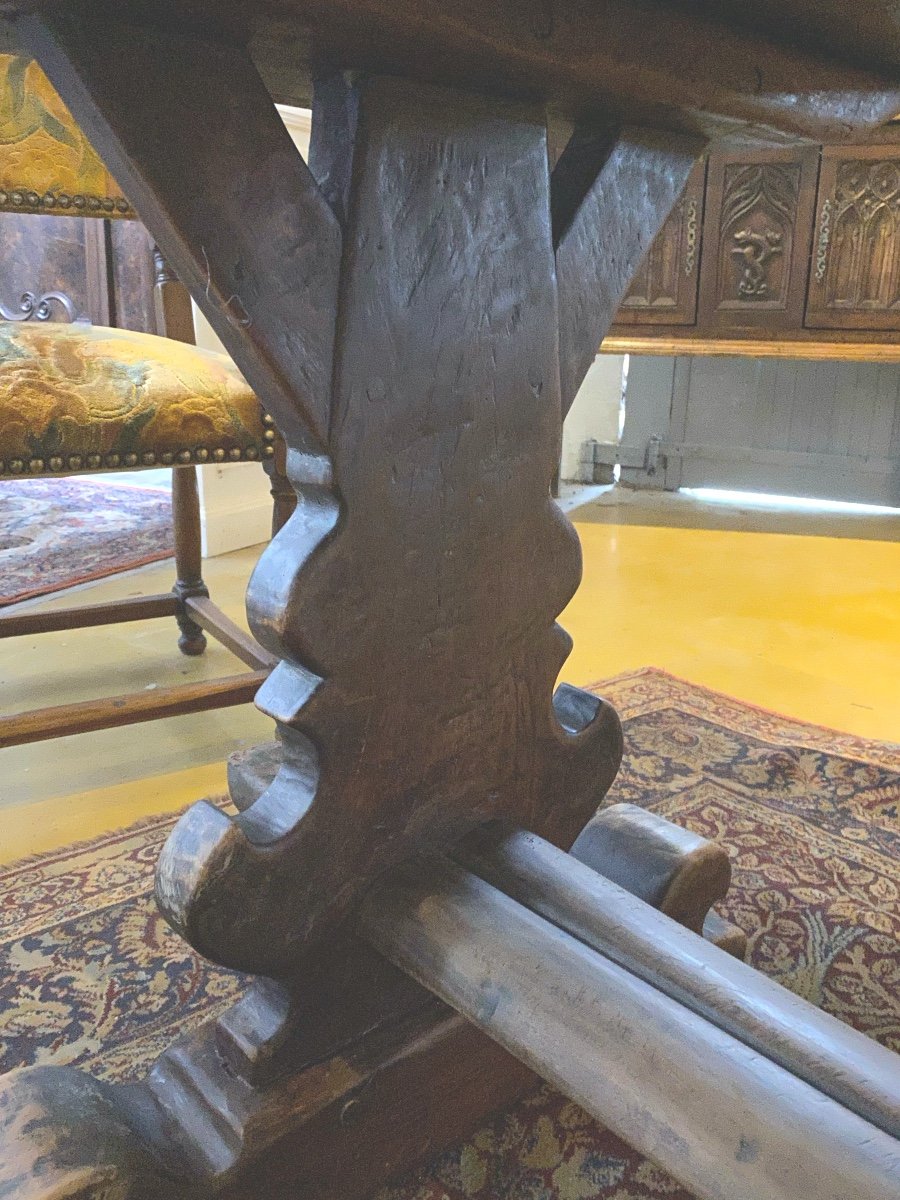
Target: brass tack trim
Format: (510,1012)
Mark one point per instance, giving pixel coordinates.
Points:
(234,455)
(269,451)
(269,435)
(167,458)
(62,200)
(267,420)
(218,454)
(75,462)
(252,452)
(16,466)
(184,456)
(130,460)
(112,460)
(56,463)
(148,459)
(36,465)
(201,455)
(94,461)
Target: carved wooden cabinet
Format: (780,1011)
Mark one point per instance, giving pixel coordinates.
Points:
(777,244)
(757,235)
(104,267)
(855,277)
(664,291)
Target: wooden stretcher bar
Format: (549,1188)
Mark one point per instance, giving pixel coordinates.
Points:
(725,1119)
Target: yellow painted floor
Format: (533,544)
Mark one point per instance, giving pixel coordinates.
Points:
(806,624)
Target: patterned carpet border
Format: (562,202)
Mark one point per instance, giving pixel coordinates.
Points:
(635,692)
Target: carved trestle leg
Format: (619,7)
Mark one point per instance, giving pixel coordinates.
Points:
(416,310)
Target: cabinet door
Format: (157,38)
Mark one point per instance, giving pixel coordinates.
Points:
(855,278)
(104,267)
(760,208)
(40,254)
(133,275)
(664,291)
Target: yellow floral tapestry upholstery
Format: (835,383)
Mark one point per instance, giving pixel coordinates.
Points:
(46,162)
(84,398)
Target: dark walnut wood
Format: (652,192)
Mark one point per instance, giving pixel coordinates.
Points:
(444,430)
(672,869)
(795,248)
(654,62)
(55,254)
(855,275)
(130,708)
(651,1029)
(607,196)
(664,288)
(412,595)
(400,307)
(756,239)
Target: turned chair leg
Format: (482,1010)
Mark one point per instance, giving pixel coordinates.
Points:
(188,576)
(284,498)
(175,319)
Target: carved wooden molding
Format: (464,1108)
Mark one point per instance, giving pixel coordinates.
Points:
(814,347)
(858,263)
(759,208)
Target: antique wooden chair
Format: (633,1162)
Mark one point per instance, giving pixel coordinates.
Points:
(76,398)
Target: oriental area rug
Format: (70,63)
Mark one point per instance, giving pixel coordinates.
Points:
(55,533)
(90,973)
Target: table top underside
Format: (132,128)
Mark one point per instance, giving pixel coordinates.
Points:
(767,70)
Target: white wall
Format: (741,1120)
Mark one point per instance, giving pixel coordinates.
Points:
(235,505)
(594,414)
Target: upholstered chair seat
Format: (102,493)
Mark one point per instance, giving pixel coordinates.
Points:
(79,398)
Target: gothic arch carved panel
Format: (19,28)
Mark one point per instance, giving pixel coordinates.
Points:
(759,217)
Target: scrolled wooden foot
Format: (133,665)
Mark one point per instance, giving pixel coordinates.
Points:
(671,868)
(67,1136)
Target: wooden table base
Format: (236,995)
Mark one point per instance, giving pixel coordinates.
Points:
(263,1102)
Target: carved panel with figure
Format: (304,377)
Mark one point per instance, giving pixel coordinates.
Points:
(855,279)
(757,238)
(664,291)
